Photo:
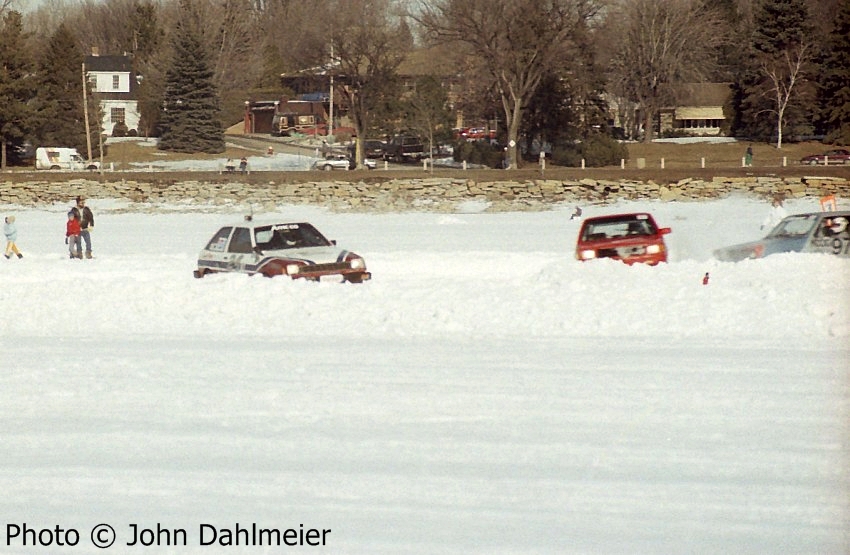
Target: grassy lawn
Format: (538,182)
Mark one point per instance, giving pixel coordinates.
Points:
(678,156)
(719,155)
(124,153)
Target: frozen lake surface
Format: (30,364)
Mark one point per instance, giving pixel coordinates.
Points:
(485,393)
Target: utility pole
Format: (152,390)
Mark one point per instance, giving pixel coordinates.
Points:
(331,111)
(86,113)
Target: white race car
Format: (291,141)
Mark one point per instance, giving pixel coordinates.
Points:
(296,250)
(341,162)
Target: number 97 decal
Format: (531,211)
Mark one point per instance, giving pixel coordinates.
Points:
(840,246)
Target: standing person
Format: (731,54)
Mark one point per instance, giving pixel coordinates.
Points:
(748,157)
(243,165)
(777,214)
(11,232)
(86,219)
(72,235)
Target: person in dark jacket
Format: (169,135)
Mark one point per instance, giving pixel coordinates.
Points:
(86,219)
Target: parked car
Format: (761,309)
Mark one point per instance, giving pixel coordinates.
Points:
(341,162)
(835,156)
(404,148)
(61,158)
(477,133)
(631,238)
(826,232)
(374,149)
(296,250)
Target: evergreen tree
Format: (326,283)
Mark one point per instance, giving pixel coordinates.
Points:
(16,88)
(780,25)
(834,90)
(58,105)
(190,118)
(147,41)
(781,36)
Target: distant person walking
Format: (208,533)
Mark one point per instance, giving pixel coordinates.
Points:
(11,232)
(72,235)
(84,215)
(777,214)
(748,157)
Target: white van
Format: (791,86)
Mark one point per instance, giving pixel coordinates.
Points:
(59,158)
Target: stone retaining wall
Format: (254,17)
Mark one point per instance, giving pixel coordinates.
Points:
(424,194)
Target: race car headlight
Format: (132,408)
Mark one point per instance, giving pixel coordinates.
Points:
(587,254)
(292,269)
(653,249)
(357,263)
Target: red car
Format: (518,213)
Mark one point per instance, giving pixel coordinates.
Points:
(631,238)
(836,156)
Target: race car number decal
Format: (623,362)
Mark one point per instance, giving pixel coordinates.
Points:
(840,246)
(833,245)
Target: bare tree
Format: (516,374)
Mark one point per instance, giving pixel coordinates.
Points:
(234,45)
(516,41)
(426,110)
(368,45)
(297,32)
(665,44)
(783,75)
(6,5)
(44,20)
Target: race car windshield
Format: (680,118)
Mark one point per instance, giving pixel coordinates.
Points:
(289,236)
(606,229)
(795,226)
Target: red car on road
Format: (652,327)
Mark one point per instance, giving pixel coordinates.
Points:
(631,238)
(836,156)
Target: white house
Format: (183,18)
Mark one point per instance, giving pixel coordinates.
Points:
(115,85)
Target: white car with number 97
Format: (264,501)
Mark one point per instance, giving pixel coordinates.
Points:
(296,250)
(825,232)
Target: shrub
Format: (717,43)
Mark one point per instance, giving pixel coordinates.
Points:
(119,129)
(479,152)
(595,150)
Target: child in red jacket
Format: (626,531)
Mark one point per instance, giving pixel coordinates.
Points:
(72,236)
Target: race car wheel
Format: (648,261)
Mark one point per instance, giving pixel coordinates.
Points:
(327,167)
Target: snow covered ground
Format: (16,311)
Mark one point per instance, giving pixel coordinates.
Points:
(485,393)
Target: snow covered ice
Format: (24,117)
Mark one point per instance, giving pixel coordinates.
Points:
(484,393)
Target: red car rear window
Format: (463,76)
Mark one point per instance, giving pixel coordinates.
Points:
(634,225)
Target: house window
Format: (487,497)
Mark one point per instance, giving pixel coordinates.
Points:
(117,115)
(116,82)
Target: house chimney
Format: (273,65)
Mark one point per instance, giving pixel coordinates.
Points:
(95,51)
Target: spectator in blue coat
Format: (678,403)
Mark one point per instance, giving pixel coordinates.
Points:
(11,232)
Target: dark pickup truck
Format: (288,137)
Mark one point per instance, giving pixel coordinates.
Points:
(404,148)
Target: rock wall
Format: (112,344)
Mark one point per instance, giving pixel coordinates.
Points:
(422,194)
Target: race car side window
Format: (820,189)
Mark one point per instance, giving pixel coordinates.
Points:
(241,240)
(219,240)
(833,226)
(311,236)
